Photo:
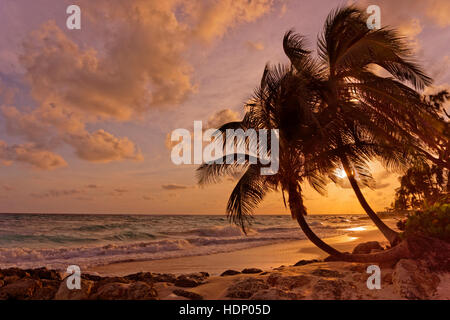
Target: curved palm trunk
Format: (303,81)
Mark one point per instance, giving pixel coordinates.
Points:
(298,211)
(415,247)
(396,253)
(402,251)
(389,234)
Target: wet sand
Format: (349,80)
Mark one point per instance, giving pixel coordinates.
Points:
(264,257)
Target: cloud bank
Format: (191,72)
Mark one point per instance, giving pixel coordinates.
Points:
(129,59)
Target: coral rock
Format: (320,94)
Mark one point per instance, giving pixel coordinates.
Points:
(367,247)
(414,281)
(274,294)
(244,289)
(188,294)
(21,289)
(229,273)
(65,293)
(251,270)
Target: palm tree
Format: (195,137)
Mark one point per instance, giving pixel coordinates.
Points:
(422,185)
(301,159)
(277,104)
(436,108)
(331,112)
(380,116)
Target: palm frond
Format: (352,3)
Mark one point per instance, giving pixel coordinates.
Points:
(347,44)
(230,164)
(246,195)
(294,48)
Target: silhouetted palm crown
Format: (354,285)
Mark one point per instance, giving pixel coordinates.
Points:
(334,108)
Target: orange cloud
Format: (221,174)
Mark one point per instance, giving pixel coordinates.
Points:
(30,154)
(56,193)
(439,11)
(141,64)
(138,71)
(41,123)
(435,11)
(221,117)
(216,17)
(50,125)
(102,146)
(411,29)
(173,186)
(137,64)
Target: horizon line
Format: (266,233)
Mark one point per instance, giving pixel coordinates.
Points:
(166,214)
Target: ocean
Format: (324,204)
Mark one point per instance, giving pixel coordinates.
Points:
(58,240)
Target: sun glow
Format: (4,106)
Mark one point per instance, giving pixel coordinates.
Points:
(340,173)
(356,229)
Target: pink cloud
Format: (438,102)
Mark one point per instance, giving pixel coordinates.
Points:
(32,155)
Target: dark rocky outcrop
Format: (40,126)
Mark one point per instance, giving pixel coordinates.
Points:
(275,294)
(125,291)
(251,271)
(191,280)
(230,273)
(305,262)
(44,273)
(288,282)
(64,293)
(20,289)
(413,280)
(418,276)
(44,284)
(367,247)
(434,253)
(338,289)
(164,277)
(187,294)
(246,288)
(47,291)
(327,273)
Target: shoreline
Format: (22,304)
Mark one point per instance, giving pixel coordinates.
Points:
(74,241)
(266,257)
(267,272)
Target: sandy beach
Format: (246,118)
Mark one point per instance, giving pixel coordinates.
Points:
(278,278)
(293,270)
(264,257)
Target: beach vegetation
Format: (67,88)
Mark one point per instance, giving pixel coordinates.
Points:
(433,221)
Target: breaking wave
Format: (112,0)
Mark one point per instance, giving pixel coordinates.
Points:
(56,242)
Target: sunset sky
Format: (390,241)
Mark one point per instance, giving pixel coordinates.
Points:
(85,114)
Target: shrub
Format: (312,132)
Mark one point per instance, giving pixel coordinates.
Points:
(432,222)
